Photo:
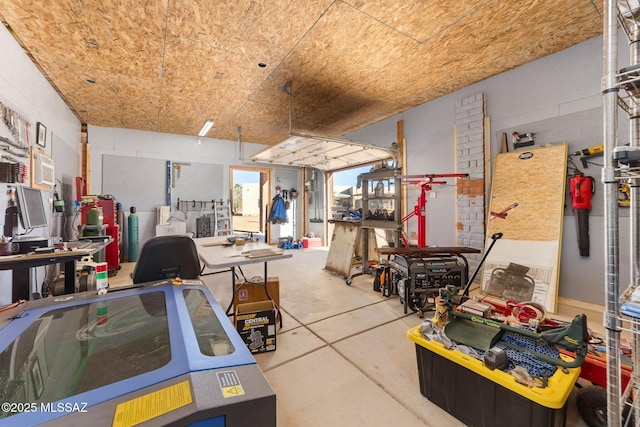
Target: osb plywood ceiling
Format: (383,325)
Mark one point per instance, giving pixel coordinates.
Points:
(168,65)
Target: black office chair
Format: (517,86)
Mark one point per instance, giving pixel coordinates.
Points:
(166,257)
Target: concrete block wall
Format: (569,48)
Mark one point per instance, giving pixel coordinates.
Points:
(470,197)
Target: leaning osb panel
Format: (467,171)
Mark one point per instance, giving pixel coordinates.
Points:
(532,231)
(539,193)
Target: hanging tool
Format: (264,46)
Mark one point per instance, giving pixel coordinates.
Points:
(586,153)
(582,188)
(624,194)
(177,166)
(522,140)
(624,155)
(503,213)
(629,157)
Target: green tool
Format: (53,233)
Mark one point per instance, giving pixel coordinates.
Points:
(482,333)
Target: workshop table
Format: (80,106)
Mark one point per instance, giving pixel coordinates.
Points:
(346,249)
(218,253)
(21,263)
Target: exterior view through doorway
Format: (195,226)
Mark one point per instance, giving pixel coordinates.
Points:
(250,194)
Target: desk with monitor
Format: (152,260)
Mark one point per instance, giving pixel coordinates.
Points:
(22,263)
(32,251)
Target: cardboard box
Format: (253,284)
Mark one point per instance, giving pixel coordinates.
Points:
(247,292)
(256,324)
(174,228)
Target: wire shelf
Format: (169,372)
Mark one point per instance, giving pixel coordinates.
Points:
(629,17)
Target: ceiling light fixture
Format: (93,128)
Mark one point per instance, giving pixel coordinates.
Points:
(205,128)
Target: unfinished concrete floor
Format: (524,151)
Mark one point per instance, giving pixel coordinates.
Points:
(342,355)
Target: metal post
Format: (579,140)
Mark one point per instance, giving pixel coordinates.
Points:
(611,322)
(634,214)
(421,212)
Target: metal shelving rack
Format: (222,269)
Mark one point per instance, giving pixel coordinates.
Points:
(375,199)
(223,219)
(620,89)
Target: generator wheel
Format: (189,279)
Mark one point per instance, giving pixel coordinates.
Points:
(419,305)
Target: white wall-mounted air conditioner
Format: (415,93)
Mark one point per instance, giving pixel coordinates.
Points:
(43,171)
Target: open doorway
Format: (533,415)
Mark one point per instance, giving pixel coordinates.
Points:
(346,195)
(249,193)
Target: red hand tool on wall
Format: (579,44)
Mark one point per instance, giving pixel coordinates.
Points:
(581,189)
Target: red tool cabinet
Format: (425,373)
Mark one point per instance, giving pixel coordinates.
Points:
(112,251)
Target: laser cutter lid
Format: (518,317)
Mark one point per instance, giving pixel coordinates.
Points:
(89,348)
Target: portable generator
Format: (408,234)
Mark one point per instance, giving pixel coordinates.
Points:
(417,278)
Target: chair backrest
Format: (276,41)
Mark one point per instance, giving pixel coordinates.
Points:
(166,257)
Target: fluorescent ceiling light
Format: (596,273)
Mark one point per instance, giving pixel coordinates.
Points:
(205,128)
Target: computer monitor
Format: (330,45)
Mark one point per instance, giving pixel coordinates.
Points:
(31,207)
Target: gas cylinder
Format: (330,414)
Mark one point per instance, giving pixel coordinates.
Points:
(132,225)
(120,222)
(95,215)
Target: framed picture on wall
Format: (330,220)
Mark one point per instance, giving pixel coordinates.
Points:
(41,135)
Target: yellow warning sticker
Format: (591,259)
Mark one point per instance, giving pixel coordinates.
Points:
(152,405)
(230,384)
(232,391)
